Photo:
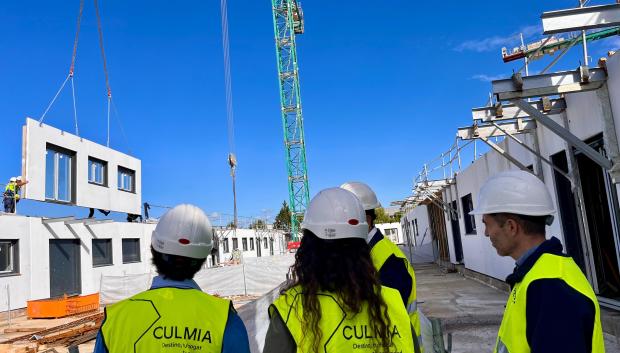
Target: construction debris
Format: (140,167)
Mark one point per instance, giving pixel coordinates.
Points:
(73,333)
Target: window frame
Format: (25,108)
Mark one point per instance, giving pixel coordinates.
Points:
(108,262)
(244,244)
(235,244)
(126,259)
(251,244)
(469,220)
(129,172)
(104,171)
(13,257)
(57,152)
(225,246)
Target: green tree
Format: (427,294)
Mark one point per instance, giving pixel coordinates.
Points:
(257,224)
(283,219)
(383,217)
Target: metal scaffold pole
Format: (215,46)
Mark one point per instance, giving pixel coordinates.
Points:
(288,21)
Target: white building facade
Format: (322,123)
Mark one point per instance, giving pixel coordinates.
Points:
(588,216)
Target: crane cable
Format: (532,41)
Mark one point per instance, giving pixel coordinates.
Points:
(105,66)
(227,79)
(232,158)
(70,75)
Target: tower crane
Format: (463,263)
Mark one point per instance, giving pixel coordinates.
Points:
(288,22)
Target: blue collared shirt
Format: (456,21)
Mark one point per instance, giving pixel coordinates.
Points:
(525,255)
(235,334)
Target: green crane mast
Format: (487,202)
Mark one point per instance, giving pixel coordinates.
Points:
(287,23)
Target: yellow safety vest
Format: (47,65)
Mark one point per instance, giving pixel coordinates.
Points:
(379,254)
(512,332)
(12,187)
(344,332)
(168,320)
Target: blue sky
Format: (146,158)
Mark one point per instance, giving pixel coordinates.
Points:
(384,87)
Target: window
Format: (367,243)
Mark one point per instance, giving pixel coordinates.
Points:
(265,242)
(131,250)
(126,179)
(59,171)
(470,221)
(416,231)
(102,252)
(235,243)
(251,243)
(9,257)
(244,244)
(225,245)
(97,171)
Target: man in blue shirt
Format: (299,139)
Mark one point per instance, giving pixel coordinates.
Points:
(174,315)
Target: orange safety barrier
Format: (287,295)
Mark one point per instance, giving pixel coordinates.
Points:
(61,307)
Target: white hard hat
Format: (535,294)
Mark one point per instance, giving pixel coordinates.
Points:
(18,177)
(364,193)
(516,192)
(13,179)
(336,213)
(184,230)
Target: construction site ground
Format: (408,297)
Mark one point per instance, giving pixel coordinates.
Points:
(470,310)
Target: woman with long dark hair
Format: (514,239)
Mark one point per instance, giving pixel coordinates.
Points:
(334,301)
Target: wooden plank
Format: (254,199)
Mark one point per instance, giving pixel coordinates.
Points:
(23,329)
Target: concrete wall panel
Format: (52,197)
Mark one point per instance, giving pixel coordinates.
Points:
(109,197)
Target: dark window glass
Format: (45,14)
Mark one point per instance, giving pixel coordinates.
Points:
(9,257)
(131,250)
(470,220)
(235,243)
(102,252)
(225,245)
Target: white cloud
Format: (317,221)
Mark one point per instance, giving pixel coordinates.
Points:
(496,42)
(487,78)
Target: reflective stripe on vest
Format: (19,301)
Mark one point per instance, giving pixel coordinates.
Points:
(341,331)
(512,332)
(166,319)
(379,254)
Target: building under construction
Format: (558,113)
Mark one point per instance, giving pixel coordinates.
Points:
(561,126)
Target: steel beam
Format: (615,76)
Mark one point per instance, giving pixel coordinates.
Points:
(76,221)
(505,154)
(485,131)
(582,18)
(550,84)
(563,133)
(57,220)
(511,112)
(537,154)
(609,134)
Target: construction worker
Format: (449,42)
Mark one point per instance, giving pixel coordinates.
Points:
(394,269)
(334,301)
(12,193)
(552,307)
(175,315)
